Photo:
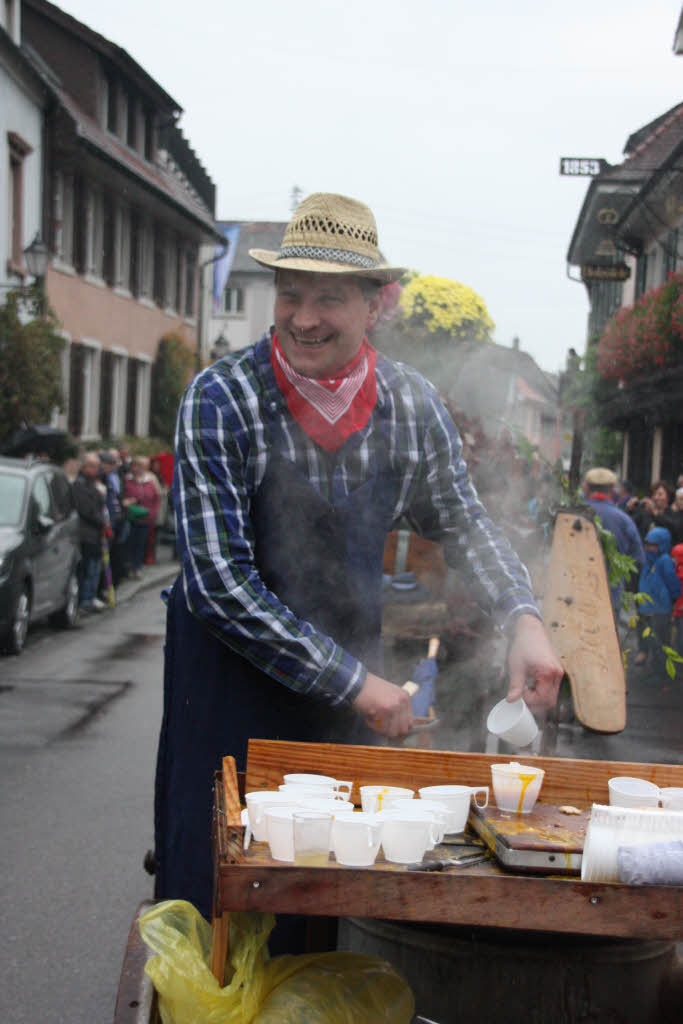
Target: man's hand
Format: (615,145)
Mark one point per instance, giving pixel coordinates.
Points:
(532,657)
(387,708)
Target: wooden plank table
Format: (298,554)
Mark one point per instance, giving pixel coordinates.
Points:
(482,895)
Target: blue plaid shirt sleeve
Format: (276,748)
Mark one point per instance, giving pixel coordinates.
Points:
(215,434)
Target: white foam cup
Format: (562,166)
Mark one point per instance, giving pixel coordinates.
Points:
(356,838)
(280,831)
(311,779)
(380,798)
(672,797)
(407,836)
(312,831)
(513,722)
(457,800)
(625,791)
(516,786)
(258,802)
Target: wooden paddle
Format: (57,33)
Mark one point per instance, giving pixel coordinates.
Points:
(578,615)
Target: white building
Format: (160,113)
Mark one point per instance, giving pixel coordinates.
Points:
(23,99)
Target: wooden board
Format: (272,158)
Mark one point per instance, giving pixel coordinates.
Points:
(578,782)
(577,612)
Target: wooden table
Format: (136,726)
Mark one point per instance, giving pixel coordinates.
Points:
(483,895)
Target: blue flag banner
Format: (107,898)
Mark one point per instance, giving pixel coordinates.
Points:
(223,266)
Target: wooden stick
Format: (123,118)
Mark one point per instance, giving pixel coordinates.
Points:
(433,648)
(220,945)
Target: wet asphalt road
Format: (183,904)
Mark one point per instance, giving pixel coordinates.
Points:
(78,732)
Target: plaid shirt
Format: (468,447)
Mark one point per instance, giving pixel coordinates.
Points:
(221,455)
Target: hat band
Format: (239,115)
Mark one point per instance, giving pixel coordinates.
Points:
(321,252)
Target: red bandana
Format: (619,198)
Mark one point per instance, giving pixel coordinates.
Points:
(329,410)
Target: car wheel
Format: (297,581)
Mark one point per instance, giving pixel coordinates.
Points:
(67,615)
(16,638)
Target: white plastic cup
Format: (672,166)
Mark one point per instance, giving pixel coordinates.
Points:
(311,837)
(280,831)
(356,839)
(457,800)
(380,798)
(258,801)
(672,797)
(625,791)
(298,791)
(513,722)
(310,779)
(419,809)
(330,805)
(407,837)
(516,786)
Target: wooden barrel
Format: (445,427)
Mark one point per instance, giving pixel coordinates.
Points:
(468,974)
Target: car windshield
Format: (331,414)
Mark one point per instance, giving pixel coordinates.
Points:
(12,489)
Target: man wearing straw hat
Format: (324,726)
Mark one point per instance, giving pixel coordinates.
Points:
(294,460)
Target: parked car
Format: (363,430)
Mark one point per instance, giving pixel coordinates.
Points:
(39,549)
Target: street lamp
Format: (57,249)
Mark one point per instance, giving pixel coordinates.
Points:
(221,347)
(37,255)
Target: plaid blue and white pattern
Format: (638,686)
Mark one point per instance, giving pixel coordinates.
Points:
(222,450)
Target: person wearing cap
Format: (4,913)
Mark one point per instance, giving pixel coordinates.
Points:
(599,484)
(294,459)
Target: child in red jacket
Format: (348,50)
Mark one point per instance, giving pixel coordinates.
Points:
(677,613)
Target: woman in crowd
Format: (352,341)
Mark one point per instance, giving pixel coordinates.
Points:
(141,491)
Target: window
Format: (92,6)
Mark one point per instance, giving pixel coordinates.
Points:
(641,275)
(63,225)
(18,151)
(233,300)
(132,122)
(108,241)
(106,393)
(132,397)
(159,292)
(671,253)
(149,136)
(112,104)
(190,273)
(76,396)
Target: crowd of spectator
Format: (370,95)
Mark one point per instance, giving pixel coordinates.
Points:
(121,502)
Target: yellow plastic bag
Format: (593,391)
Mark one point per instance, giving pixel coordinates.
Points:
(316,988)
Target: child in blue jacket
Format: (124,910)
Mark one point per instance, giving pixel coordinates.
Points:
(660,582)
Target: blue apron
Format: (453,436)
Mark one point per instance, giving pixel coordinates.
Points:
(322,556)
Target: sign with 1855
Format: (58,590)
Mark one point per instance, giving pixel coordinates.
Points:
(582,166)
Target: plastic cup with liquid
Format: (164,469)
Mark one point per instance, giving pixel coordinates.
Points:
(380,798)
(516,786)
(311,837)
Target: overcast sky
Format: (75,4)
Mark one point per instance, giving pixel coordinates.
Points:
(449,122)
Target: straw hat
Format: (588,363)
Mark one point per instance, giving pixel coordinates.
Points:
(331,234)
(601,477)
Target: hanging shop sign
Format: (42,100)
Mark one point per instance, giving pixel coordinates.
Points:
(598,272)
(582,166)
